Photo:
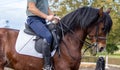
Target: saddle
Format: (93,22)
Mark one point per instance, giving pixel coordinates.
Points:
(28,30)
(39,40)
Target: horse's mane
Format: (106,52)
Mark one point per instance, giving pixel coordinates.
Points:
(84,17)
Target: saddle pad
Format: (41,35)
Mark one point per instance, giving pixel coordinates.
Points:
(25,45)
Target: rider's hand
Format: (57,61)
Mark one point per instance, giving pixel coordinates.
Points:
(56,19)
(50,17)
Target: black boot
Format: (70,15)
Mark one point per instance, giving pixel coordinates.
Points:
(46,55)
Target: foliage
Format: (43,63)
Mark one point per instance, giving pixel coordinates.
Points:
(111,48)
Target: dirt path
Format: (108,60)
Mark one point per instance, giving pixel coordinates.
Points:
(110,68)
(91,66)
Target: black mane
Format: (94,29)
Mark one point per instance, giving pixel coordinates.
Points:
(83,18)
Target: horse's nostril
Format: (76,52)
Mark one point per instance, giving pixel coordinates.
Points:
(101,49)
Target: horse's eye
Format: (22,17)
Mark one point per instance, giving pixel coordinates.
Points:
(104,30)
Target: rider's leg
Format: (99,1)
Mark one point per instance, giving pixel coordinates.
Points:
(46,55)
(41,30)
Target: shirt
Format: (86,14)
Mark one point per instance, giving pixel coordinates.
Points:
(42,5)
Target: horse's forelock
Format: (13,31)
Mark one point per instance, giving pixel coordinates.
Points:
(108,23)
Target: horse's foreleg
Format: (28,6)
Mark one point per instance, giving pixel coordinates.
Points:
(1,65)
(2,61)
(1,68)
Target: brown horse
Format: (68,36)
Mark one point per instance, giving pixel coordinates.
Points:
(75,26)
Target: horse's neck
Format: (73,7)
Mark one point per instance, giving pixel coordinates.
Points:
(72,45)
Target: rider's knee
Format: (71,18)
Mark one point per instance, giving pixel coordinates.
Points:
(49,37)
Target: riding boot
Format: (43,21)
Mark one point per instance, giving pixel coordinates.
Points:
(46,55)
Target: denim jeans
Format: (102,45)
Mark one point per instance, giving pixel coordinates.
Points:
(38,25)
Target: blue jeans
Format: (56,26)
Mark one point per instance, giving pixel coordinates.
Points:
(38,25)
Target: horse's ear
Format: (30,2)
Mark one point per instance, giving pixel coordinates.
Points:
(108,10)
(101,11)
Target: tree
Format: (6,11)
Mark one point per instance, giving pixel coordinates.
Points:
(111,48)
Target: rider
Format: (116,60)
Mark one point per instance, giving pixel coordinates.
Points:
(38,12)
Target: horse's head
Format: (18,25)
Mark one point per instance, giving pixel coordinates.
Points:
(88,21)
(97,33)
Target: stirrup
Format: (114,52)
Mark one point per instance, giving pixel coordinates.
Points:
(47,67)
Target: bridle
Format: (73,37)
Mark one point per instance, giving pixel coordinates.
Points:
(97,37)
(89,45)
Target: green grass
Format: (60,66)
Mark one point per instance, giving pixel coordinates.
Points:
(115,55)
